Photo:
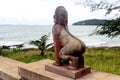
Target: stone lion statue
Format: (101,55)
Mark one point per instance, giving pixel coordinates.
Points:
(68,48)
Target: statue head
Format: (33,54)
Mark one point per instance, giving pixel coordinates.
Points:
(61,16)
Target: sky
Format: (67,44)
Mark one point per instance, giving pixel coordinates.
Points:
(40,12)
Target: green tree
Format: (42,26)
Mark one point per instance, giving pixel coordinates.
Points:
(41,44)
(111,28)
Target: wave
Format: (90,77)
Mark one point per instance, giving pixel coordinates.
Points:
(10,43)
(1,38)
(15,35)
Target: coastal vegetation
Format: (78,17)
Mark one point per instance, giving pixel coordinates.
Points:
(90,22)
(27,55)
(41,44)
(110,28)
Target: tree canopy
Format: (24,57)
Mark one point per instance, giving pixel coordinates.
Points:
(108,5)
(110,28)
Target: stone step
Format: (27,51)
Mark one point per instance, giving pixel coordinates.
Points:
(9,69)
(36,71)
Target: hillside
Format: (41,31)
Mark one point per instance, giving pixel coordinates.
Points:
(90,22)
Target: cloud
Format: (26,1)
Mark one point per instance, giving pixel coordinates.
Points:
(40,11)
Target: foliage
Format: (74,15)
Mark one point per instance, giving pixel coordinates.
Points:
(41,44)
(17,50)
(106,29)
(110,28)
(90,22)
(28,56)
(101,4)
(1,50)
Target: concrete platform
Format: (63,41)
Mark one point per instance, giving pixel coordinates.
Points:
(9,69)
(36,71)
(64,71)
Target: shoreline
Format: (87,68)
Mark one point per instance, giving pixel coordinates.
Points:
(34,47)
(105,47)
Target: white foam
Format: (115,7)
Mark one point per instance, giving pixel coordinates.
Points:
(10,43)
(25,34)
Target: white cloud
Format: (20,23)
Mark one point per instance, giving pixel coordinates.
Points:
(40,11)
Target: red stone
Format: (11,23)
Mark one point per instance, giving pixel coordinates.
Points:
(64,71)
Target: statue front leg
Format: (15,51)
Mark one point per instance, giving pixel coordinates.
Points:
(58,61)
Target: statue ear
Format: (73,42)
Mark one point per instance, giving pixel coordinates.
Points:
(54,16)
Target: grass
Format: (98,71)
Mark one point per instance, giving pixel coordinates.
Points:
(100,59)
(28,56)
(103,59)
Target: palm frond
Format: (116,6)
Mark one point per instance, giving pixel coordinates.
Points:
(34,43)
(41,43)
(48,45)
(44,38)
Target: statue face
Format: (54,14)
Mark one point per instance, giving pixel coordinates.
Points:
(61,16)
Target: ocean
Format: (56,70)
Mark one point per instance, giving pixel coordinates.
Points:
(17,34)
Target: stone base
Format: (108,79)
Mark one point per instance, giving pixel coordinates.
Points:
(62,70)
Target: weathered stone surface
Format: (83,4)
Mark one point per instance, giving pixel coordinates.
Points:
(33,72)
(0,73)
(9,69)
(1,79)
(96,75)
(38,69)
(64,71)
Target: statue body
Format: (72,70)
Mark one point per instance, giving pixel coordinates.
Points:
(67,47)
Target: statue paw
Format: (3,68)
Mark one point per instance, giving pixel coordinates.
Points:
(57,64)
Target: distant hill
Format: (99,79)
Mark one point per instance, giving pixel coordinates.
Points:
(90,22)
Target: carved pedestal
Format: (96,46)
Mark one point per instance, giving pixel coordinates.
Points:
(64,71)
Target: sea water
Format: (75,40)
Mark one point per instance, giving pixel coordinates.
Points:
(18,34)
